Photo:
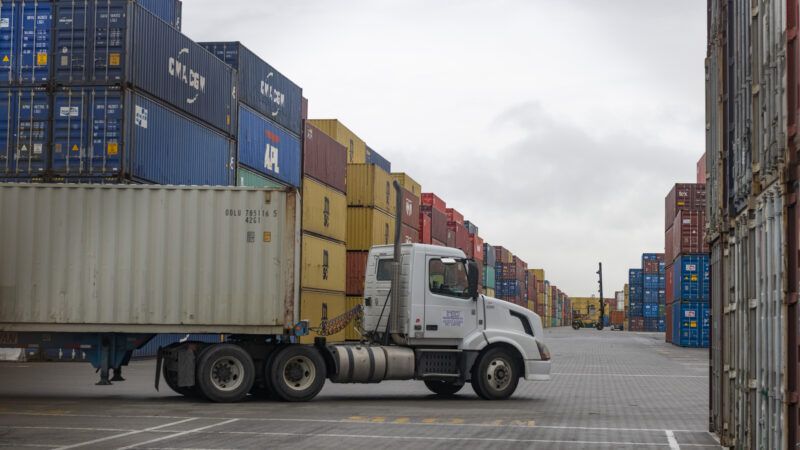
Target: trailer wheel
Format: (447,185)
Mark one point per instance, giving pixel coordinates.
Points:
(263,389)
(225,373)
(495,375)
(443,388)
(298,373)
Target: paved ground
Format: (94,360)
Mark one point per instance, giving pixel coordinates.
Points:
(609,390)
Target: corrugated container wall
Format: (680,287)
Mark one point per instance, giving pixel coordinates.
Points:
(267,148)
(408,183)
(324,210)
(369,185)
(355,146)
(324,159)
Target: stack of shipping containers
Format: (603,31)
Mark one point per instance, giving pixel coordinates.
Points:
(410,214)
(488,279)
(687,277)
(752,110)
(646,295)
(635,300)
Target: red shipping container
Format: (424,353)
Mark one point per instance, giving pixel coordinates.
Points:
(477,247)
(408,235)
(410,212)
(701,170)
(425,228)
(453,216)
(461,237)
(451,237)
(650,267)
(354,273)
(324,159)
(438,242)
(683,196)
(438,222)
(685,236)
(429,199)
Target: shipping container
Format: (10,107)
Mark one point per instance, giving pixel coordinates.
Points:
(691,279)
(324,210)
(433,201)
(451,237)
(113,132)
(477,247)
(369,185)
(408,183)
(355,146)
(170,11)
(324,159)
(461,237)
(652,262)
(425,229)
(25,42)
(367,227)
(453,216)
(502,255)
(150,350)
(408,235)
(650,310)
(25,132)
(351,333)
(118,42)
(690,324)
(683,197)
(316,306)
(373,157)
(488,277)
(153,228)
(685,235)
(410,213)
(355,272)
(488,256)
(490,292)
(323,263)
(248,178)
(471,227)
(267,148)
(438,223)
(260,86)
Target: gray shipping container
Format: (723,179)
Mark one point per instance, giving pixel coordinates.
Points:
(161,259)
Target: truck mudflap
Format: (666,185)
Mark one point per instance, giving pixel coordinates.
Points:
(537,370)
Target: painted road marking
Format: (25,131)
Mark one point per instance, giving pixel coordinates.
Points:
(182,433)
(629,375)
(673,443)
(129,433)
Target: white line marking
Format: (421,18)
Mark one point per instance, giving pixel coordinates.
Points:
(182,433)
(629,375)
(129,433)
(673,443)
(32,427)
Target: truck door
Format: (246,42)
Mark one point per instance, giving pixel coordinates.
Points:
(449,311)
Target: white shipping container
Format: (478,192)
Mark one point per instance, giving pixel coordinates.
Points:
(126,258)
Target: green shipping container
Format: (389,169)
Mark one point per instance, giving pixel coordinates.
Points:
(245,177)
(488,277)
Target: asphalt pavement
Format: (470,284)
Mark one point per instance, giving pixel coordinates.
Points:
(609,390)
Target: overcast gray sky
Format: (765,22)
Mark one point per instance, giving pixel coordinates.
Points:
(556,126)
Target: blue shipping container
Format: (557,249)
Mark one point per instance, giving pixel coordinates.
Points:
(471,227)
(374,157)
(123,43)
(650,296)
(25,41)
(650,281)
(111,132)
(268,148)
(24,133)
(635,277)
(691,278)
(650,310)
(691,324)
(261,87)
(169,11)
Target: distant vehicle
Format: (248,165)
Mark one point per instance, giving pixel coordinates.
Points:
(104,268)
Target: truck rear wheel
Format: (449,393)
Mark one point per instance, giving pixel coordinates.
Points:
(171,378)
(495,375)
(297,373)
(443,388)
(225,373)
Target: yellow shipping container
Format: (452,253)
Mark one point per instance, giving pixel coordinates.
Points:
(350,332)
(369,185)
(489,292)
(323,264)
(311,309)
(531,305)
(539,274)
(367,227)
(408,183)
(356,147)
(324,210)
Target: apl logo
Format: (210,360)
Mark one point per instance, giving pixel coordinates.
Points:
(326,212)
(275,96)
(271,152)
(192,78)
(324,264)
(409,207)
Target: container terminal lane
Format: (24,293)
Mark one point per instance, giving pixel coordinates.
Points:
(609,390)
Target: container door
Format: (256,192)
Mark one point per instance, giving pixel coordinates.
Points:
(72,41)
(449,311)
(8,40)
(70,132)
(32,117)
(34,60)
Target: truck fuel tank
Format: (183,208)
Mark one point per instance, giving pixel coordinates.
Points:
(371,363)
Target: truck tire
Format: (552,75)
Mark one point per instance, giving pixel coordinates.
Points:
(443,388)
(298,373)
(264,390)
(495,375)
(225,373)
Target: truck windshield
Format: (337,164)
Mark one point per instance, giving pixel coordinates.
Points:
(448,279)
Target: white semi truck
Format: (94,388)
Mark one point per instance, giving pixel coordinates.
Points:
(104,268)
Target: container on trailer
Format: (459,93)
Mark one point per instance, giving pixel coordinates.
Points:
(24,131)
(322,264)
(471,227)
(425,228)
(64,276)
(453,216)
(113,132)
(123,43)
(410,212)
(350,333)
(690,326)
(324,210)
(373,157)
(431,200)
(685,235)
(267,148)
(370,185)
(324,159)
(367,227)
(691,280)
(408,183)
(260,86)
(355,147)
(249,178)
(355,272)
(408,235)
(683,197)
(318,305)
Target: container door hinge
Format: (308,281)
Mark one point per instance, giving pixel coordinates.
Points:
(791,299)
(732,307)
(753,303)
(793,397)
(752,383)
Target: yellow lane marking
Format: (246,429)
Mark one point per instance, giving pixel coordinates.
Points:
(429,420)
(378,419)
(401,420)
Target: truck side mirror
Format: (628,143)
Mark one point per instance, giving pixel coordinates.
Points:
(472,279)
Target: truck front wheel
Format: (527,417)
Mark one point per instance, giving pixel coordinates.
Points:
(495,375)
(225,373)
(297,373)
(443,388)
